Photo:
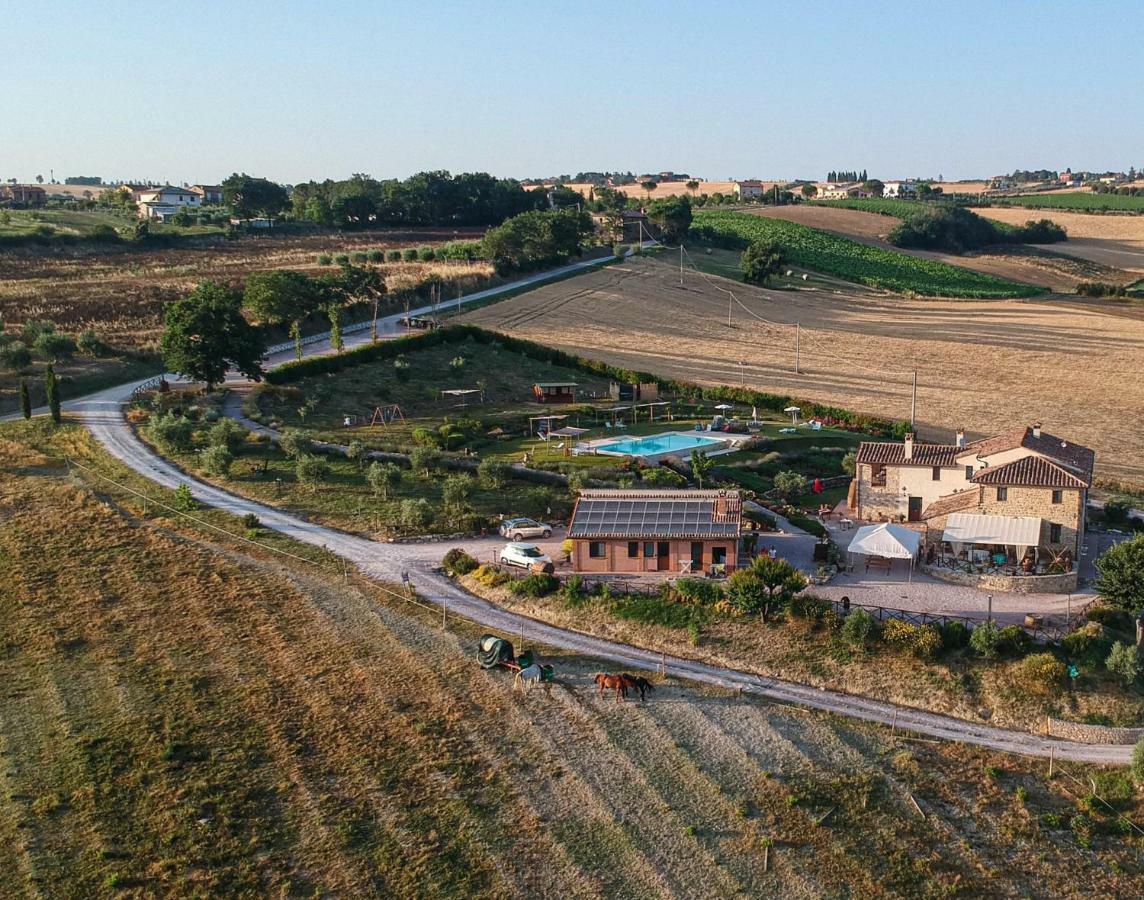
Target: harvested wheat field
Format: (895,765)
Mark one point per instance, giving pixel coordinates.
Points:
(182,718)
(121,294)
(985,365)
(1115,240)
(1054,266)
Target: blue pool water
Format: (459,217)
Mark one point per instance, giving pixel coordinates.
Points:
(654,445)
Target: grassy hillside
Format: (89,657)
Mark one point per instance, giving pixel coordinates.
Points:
(874,266)
(1081,201)
(185,715)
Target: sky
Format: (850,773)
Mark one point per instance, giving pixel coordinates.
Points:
(190,92)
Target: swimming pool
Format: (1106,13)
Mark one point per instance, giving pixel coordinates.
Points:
(659,444)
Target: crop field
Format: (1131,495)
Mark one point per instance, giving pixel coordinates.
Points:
(121,293)
(1079,201)
(1059,269)
(985,365)
(185,715)
(883,206)
(873,266)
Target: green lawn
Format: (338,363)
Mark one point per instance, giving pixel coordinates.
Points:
(834,255)
(64,221)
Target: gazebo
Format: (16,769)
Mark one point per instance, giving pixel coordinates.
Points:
(569,432)
(886,542)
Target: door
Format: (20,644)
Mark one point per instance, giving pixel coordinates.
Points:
(915,509)
(697,557)
(663,555)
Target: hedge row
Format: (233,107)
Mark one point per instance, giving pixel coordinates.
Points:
(451,334)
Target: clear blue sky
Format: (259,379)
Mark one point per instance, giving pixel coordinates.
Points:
(191,91)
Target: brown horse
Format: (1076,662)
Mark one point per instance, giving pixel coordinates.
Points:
(611,683)
(637,683)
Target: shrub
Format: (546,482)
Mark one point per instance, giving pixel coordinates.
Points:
(493,473)
(311,470)
(381,477)
(1012,639)
(228,434)
(984,639)
(1124,662)
(662,477)
(1089,644)
(216,460)
(699,590)
(358,256)
(34,329)
(1112,618)
(491,576)
(342,259)
(1040,673)
(15,356)
(393,256)
(324,259)
(789,485)
(170,432)
(1137,767)
(927,643)
(537,585)
(899,634)
(89,343)
(1116,512)
(183,501)
(415,513)
(375,256)
(860,628)
(1121,578)
(425,254)
(807,606)
(954,635)
(295,443)
(409,254)
(458,562)
(251,522)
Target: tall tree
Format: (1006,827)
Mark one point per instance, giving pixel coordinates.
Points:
(25,399)
(52,389)
(762,259)
(249,197)
(673,216)
(764,586)
(282,297)
(205,334)
(364,283)
(701,466)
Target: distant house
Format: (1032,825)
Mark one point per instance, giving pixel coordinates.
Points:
(849,190)
(628,225)
(750,189)
(30,196)
(209,194)
(1000,183)
(1025,483)
(163,203)
(631,532)
(1114,178)
(900,189)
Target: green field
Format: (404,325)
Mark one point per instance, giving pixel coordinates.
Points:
(16,222)
(873,266)
(883,206)
(1079,202)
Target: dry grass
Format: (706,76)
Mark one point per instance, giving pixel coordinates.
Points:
(982,364)
(184,719)
(121,294)
(1111,240)
(1022,264)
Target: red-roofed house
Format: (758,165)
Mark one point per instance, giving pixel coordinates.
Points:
(1025,474)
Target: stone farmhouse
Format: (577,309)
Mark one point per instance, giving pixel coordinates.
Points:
(1022,493)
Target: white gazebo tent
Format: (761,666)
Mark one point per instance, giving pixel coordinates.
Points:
(888,541)
(964,530)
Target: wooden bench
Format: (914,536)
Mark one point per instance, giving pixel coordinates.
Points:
(879,562)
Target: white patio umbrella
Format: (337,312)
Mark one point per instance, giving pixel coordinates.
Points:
(886,540)
(724,406)
(794,411)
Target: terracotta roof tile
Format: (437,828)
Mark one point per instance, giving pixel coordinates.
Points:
(943,506)
(1030,471)
(894,454)
(1072,456)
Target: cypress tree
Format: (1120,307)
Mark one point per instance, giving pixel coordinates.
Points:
(25,399)
(52,389)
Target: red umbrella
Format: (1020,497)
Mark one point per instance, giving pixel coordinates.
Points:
(818,485)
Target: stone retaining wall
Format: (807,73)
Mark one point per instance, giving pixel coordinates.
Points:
(1093,734)
(1009,584)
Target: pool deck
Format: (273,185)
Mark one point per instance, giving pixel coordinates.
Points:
(726,443)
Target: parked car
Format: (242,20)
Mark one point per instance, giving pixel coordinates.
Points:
(526,556)
(520,528)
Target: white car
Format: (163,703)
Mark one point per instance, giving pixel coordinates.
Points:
(524,555)
(519,528)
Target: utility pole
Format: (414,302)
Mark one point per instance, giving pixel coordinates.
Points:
(914,403)
(797,347)
(681,263)
(729,298)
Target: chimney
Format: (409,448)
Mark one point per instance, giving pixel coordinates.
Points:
(1036,429)
(961,437)
(910,445)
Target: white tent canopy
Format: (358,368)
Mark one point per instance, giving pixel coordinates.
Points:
(1020,532)
(887,540)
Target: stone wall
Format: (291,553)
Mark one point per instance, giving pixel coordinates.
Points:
(1093,734)
(1009,584)
(1038,502)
